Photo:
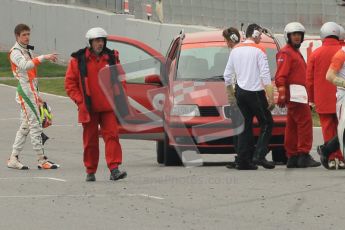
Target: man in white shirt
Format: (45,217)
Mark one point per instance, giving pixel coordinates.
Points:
(248,64)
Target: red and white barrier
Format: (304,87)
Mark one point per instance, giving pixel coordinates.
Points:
(125,7)
(148,10)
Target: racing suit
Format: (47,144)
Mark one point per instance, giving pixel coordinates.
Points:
(24,69)
(291,69)
(338,64)
(322,92)
(93,106)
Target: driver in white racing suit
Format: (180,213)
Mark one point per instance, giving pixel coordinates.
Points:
(24,69)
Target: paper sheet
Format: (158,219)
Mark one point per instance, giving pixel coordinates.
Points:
(298,93)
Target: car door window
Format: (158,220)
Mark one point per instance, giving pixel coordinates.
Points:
(271,57)
(171,56)
(136,62)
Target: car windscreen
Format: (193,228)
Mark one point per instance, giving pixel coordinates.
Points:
(202,63)
(208,63)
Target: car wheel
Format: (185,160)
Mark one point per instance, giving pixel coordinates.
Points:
(279,156)
(160,151)
(171,157)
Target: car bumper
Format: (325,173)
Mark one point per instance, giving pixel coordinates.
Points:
(217,134)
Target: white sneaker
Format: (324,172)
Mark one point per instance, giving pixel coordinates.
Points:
(43,163)
(14,163)
(332,164)
(341,164)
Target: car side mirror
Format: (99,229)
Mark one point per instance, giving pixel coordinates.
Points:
(153,79)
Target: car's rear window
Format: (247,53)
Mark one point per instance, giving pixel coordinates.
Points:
(205,63)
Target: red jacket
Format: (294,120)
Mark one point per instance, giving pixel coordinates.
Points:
(74,88)
(291,68)
(321,91)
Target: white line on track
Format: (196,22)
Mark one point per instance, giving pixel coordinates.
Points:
(66,125)
(7,119)
(79,196)
(53,125)
(50,178)
(146,195)
(44,196)
(26,178)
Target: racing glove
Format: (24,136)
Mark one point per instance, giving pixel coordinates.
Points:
(231,95)
(282,96)
(270,98)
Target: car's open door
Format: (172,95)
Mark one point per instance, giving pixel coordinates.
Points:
(135,88)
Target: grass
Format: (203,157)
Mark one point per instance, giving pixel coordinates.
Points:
(5,68)
(46,69)
(53,86)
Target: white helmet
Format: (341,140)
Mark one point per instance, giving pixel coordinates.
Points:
(96,32)
(342,33)
(293,27)
(329,29)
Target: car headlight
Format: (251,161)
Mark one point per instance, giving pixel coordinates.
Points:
(277,111)
(185,111)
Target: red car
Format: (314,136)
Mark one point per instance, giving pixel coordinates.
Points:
(179,100)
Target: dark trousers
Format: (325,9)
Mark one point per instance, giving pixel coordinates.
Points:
(332,145)
(329,125)
(253,104)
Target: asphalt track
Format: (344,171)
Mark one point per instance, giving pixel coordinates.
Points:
(152,196)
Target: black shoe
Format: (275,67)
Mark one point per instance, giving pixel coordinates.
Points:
(292,162)
(305,160)
(323,156)
(116,174)
(231,165)
(247,166)
(264,163)
(90,177)
(279,162)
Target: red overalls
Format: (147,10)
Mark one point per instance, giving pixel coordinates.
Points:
(100,114)
(291,69)
(322,92)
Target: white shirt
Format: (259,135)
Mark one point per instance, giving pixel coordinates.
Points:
(249,66)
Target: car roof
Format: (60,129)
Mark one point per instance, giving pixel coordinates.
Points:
(213,36)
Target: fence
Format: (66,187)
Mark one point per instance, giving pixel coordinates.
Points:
(116,6)
(274,14)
